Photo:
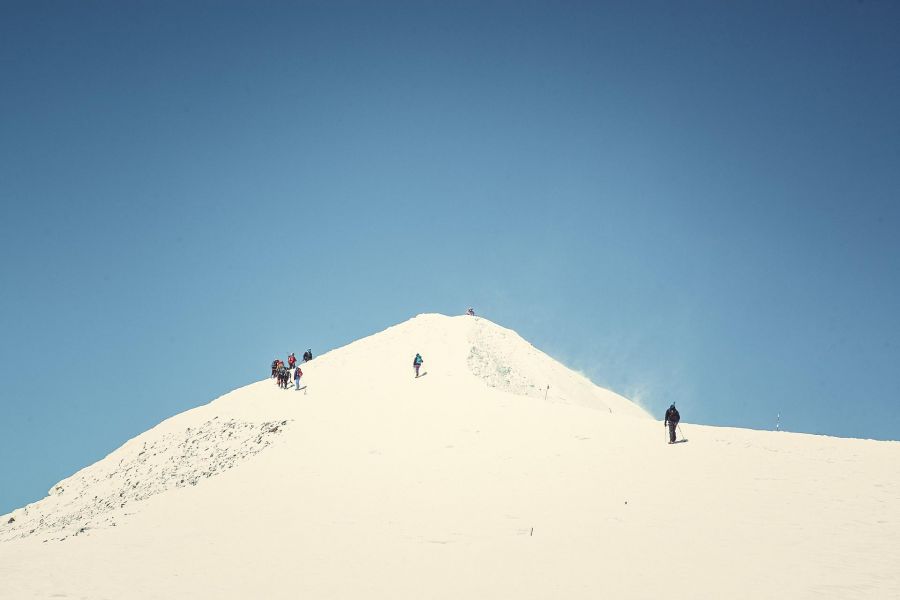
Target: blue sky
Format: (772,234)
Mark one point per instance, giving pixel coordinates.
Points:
(693,203)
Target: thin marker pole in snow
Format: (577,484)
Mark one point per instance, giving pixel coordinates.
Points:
(778,422)
(545,393)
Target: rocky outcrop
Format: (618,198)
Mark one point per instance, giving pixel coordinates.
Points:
(100,495)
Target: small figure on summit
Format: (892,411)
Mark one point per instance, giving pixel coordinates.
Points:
(292,360)
(307,356)
(417,362)
(470,312)
(297,375)
(672,418)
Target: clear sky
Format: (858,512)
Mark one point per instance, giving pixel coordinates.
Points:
(689,202)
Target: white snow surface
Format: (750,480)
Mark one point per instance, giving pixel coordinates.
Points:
(499,473)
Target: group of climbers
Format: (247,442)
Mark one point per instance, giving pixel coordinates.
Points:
(284,374)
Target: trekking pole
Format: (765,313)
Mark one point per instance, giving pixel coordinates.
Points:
(681,433)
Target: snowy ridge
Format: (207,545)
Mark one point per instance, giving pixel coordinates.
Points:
(463,483)
(184,450)
(100,495)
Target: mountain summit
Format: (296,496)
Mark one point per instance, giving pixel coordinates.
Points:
(464,355)
(497,473)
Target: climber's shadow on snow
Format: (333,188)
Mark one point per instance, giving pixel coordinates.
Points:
(680,441)
(422,374)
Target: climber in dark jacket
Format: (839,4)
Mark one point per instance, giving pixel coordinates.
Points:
(672,418)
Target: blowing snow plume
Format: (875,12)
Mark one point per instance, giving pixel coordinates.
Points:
(472,481)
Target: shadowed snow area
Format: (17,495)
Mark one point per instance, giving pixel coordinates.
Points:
(463,483)
(506,362)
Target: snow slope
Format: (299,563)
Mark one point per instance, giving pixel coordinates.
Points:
(464,483)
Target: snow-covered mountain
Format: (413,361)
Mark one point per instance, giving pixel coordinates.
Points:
(498,473)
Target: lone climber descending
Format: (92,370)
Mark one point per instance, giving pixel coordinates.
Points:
(672,418)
